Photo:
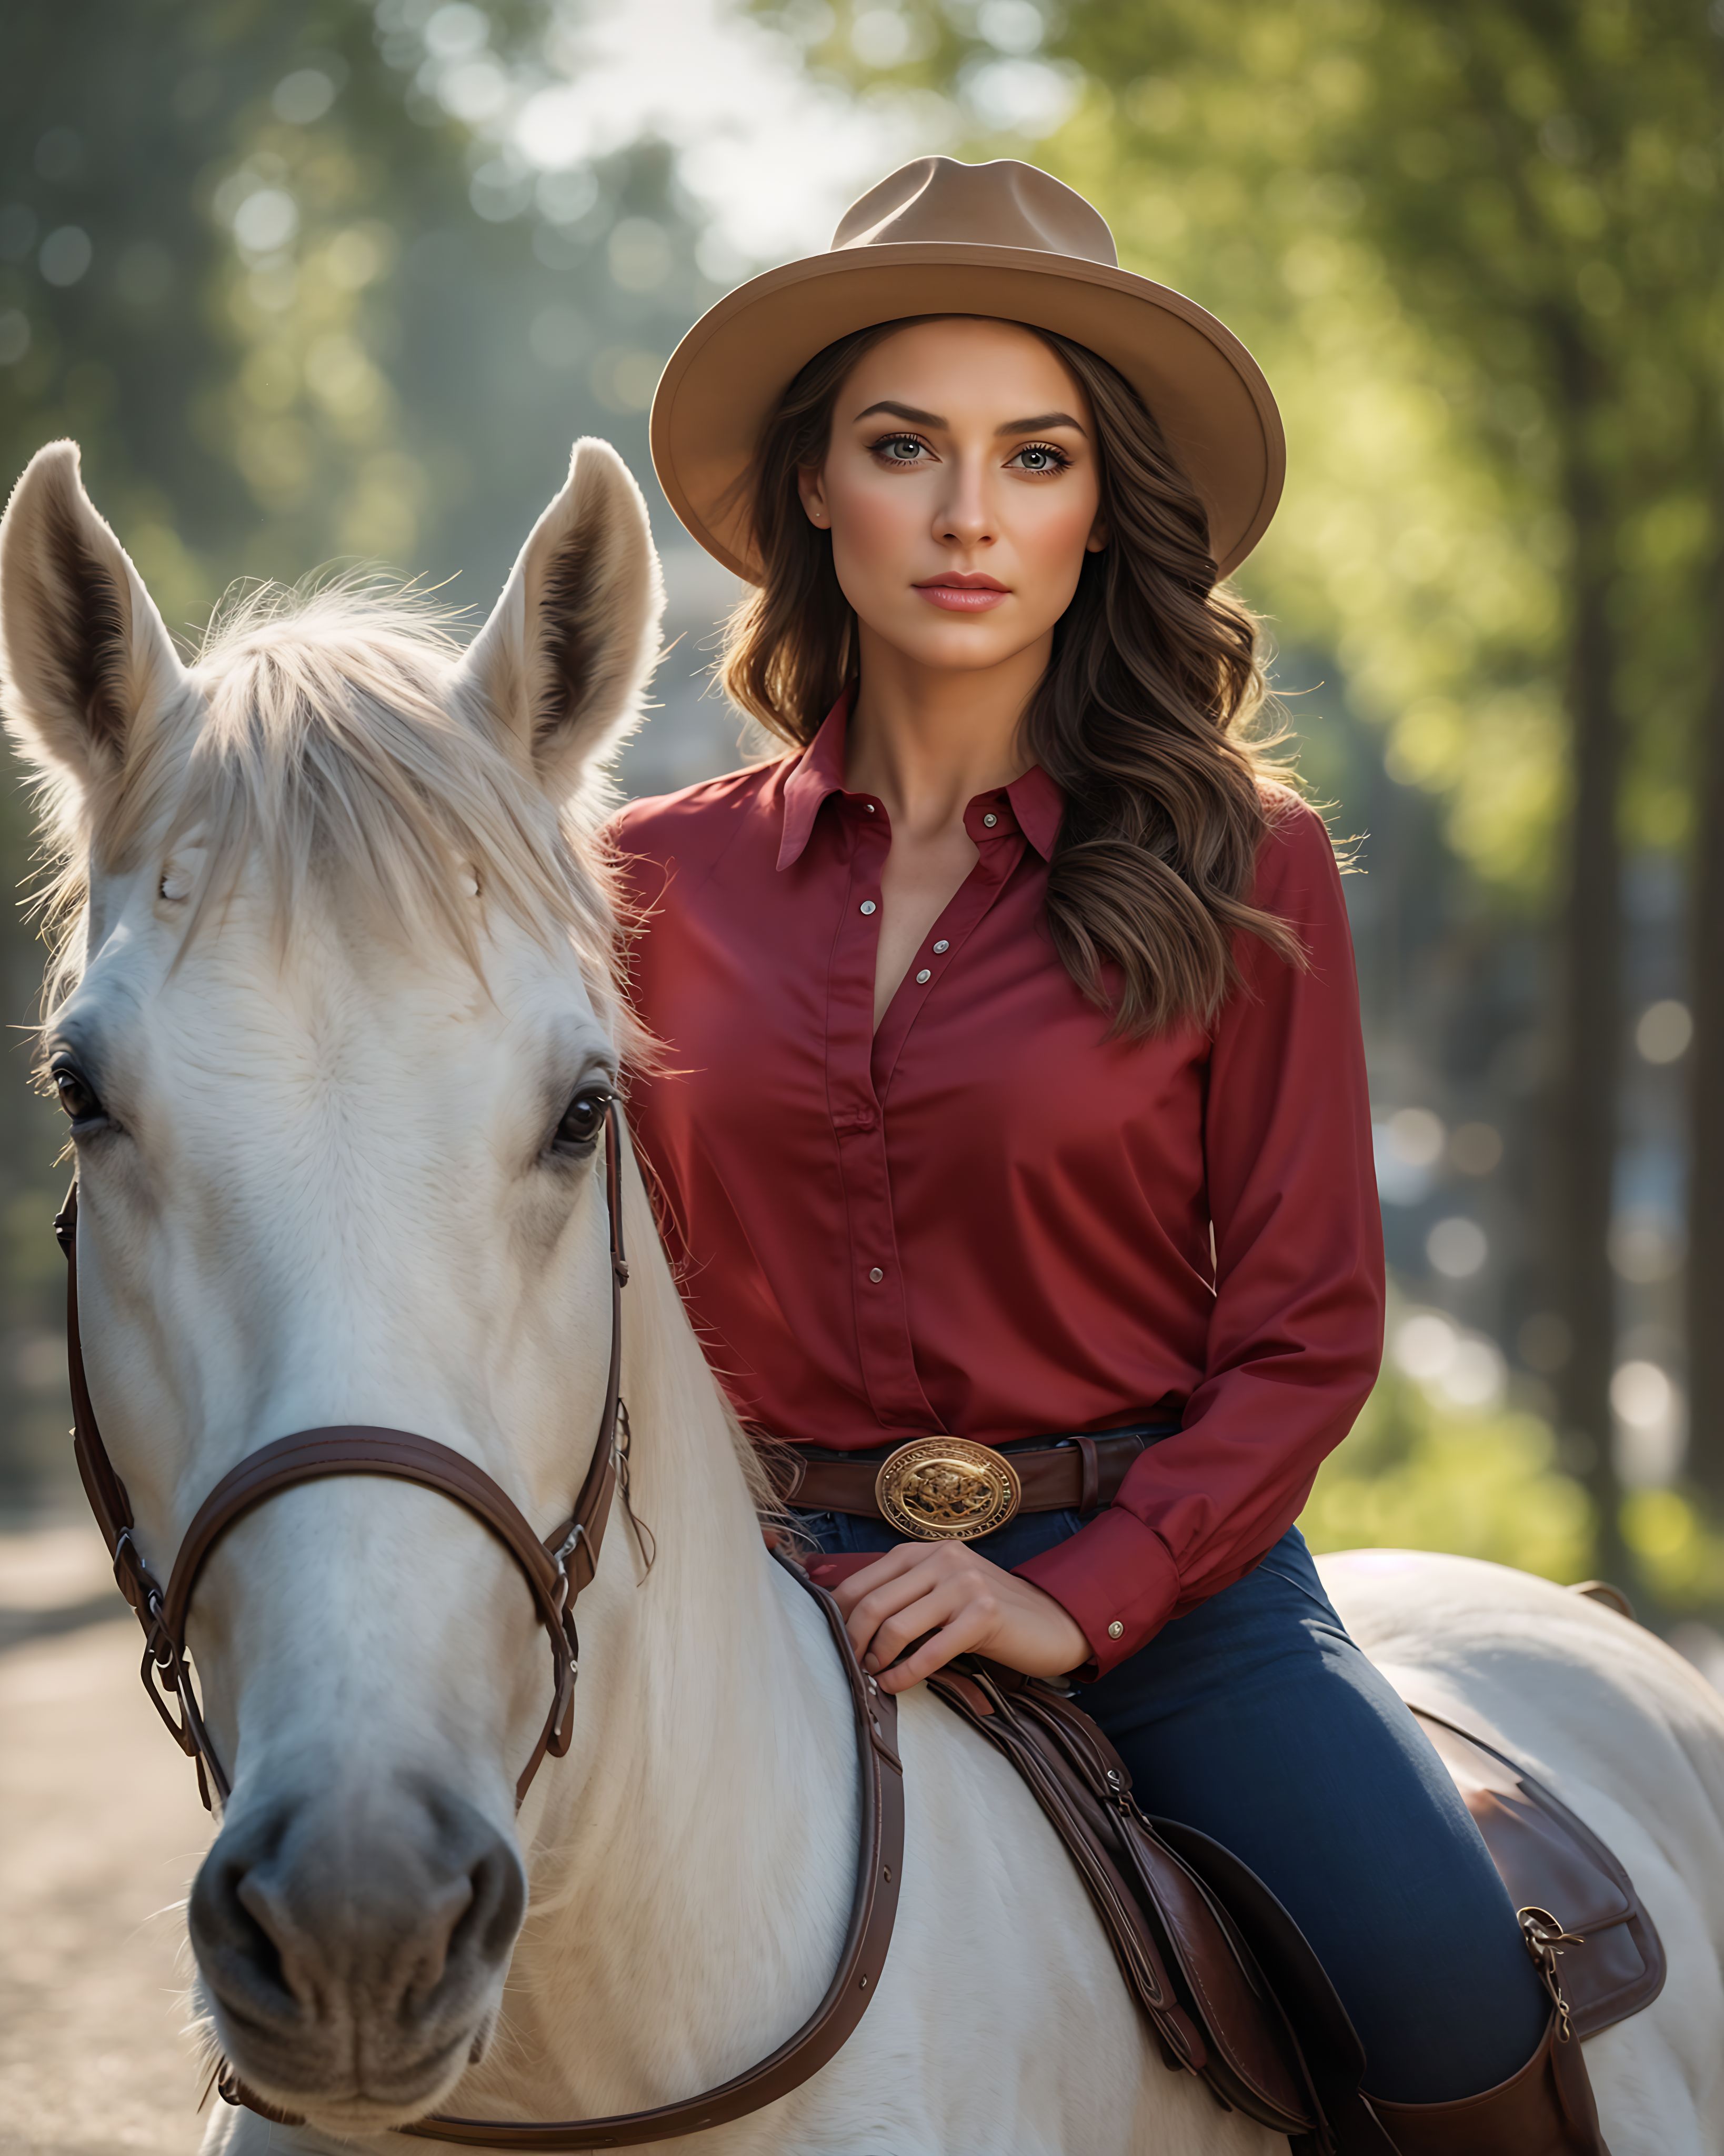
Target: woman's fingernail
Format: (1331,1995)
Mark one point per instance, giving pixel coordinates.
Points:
(870,1663)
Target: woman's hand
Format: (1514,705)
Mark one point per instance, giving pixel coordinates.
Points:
(969,1606)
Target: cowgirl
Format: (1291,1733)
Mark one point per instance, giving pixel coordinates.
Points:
(1014,1091)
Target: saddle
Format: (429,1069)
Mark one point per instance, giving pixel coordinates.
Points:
(1230,1988)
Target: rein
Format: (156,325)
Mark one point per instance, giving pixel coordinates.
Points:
(557,1568)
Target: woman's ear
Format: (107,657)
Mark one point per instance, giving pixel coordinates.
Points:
(1096,543)
(557,673)
(811,486)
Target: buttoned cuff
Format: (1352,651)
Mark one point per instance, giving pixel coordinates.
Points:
(1117,1579)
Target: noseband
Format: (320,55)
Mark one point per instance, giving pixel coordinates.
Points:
(556,1568)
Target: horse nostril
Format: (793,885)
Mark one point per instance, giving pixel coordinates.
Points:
(487,1926)
(304,1918)
(471,1925)
(235,1932)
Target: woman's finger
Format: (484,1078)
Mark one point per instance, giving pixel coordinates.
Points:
(886,1566)
(887,1606)
(964,1631)
(927,1613)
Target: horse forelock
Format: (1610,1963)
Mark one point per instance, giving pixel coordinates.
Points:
(322,738)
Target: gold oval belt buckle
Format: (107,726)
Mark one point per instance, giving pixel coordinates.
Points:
(946,1489)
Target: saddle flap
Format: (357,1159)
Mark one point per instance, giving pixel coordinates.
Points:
(1243,2023)
(1192,1971)
(1612,1963)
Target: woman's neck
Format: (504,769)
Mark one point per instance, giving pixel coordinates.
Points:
(926,741)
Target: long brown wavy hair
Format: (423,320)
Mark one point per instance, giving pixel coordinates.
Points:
(1142,717)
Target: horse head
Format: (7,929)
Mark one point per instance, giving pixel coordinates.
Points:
(334,1027)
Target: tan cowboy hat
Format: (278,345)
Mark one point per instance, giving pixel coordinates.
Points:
(939,238)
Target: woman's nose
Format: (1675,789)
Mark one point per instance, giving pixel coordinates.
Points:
(965,516)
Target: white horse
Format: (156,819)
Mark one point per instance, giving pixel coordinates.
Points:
(337,978)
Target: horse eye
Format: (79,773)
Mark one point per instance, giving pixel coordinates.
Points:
(75,1096)
(583,1119)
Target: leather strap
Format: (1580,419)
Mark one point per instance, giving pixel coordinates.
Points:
(359,1449)
(556,1569)
(1090,1491)
(1079,1476)
(1182,1955)
(822,2036)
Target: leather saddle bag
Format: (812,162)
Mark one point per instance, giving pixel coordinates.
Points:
(1599,1954)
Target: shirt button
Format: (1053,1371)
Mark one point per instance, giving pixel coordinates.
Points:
(1116,1630)
(875,1274)
(868,906)
(990,819)
(924,975)
(942,944)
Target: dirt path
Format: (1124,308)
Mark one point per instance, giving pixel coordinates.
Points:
(101,1832)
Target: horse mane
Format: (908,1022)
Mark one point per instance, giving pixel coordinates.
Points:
(321,731)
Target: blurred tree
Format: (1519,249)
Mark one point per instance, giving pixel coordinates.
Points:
(1416,1475)
(1542,183)
(1705,1207)
(283,274)
(1478,244)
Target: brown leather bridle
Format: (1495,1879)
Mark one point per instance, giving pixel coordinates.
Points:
(557,1567)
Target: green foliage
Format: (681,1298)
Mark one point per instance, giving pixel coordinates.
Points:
(1477,247)
(320,317)
(1679,1549)
(1482,1483)
(293,310)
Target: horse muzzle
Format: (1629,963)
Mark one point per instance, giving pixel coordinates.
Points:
(354,1954)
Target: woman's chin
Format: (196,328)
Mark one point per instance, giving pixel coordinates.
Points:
(940,642)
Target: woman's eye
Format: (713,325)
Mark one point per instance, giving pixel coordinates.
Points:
(76,1095)
(582,1120)
(1041,457)
(900,449)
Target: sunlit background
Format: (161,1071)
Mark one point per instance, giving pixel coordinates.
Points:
(343,280)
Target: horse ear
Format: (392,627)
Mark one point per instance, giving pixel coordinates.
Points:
(84,654)
(558,670)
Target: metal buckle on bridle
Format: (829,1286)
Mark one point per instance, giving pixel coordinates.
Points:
(560,1557)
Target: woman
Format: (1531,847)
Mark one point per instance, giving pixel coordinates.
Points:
(1013,1090)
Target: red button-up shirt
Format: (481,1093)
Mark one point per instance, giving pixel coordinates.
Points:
(986,1217)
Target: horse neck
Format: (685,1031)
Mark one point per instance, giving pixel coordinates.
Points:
(692,1861)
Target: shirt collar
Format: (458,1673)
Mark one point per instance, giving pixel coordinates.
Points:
(818,772)
(1039,807)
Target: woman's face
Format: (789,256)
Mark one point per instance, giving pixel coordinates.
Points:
(962,490)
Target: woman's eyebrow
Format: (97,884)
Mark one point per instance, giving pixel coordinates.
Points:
(1041,424)
(917,418)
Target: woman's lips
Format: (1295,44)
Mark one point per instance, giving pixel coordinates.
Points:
(964,595)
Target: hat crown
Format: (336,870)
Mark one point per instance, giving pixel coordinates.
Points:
(1003,203)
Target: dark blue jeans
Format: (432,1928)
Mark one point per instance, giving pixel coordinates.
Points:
(1255,1719)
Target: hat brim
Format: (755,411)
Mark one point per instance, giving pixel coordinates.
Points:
(724,381)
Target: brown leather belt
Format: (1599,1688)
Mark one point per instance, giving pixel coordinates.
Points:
(941,1489)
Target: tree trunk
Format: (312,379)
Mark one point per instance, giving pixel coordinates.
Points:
(1589,1026)
(1706,1099)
